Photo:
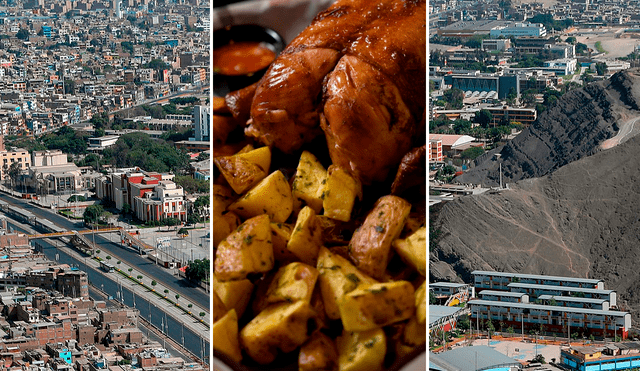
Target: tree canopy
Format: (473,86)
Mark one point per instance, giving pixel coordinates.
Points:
(454,98)
(198,270)
(67,140)
(139,149)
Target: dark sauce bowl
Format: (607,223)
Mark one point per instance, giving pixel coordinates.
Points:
(225,83)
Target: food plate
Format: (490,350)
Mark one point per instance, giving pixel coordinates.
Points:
(298,15)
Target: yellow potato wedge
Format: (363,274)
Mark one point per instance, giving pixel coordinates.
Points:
(337,278)
(272,196)
(413,250)
(280,326)
(340,194)
(240,173)
(225,336)
(292,283)
(370,245)
(219,309)
(362,351)
(280,235)
(376,305)
(247,250)
(308,183)
(234,294)
(306,238)
(421,303)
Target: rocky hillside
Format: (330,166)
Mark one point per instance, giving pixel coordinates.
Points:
(574,128)
(582,219)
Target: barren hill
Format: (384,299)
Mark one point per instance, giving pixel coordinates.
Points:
(577,126)
(581,219)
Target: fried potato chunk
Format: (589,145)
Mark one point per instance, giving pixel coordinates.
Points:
(308,184)
(362,351)
(272,196)
(337,278)
(225,336)
(280,326)
(247,250)
(340,194)
(292,283)
(369,247)
(234,294)
(306,237)
(376,305)
(413,250)
(319,353)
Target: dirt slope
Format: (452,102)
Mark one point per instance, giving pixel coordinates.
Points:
(574,128)
(583,220)
(575,210)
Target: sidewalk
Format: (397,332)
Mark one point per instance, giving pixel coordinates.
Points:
(127,275)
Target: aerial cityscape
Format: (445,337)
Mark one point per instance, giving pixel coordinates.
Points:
(533,226)
(104,185)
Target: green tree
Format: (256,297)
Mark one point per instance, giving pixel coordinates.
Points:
(183,231)
(170,222)
(69,87)
(14,172)
(461,126)
(454,98)
(194,218)
(601,68)
(483,117)
(191,185)
(127,46)
(22,34)
(126,208)
(490,327)
(198,270)
(581,48)
(203,156)
(464,323)
(92,214)
(571,40)
(471,153)
(432,298)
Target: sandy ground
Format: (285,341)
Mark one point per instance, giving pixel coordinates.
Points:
(615,47)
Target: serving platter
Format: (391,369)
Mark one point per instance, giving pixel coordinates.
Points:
(288,18)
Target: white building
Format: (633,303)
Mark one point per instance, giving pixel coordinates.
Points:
(565,66)
(201,121)
(100,143)
(519,30)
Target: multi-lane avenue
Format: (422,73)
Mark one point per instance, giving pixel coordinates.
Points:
(178,285)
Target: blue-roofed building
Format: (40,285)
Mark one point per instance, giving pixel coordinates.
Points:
(475,358)
(618,356)
(46,31)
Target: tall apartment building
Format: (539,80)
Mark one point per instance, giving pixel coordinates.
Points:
(202,121)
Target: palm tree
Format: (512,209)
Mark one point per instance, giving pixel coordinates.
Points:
(154,283)
(177,297)
(166,291)
(130,269)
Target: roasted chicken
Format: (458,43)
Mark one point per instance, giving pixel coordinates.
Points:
(358,74)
